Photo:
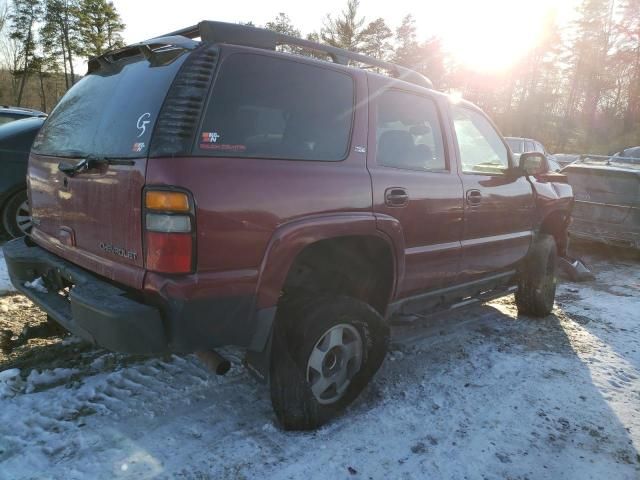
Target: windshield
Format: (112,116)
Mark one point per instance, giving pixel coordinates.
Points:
(514,144)
(632,152)
(109,113)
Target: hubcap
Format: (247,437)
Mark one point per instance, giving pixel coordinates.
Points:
(333,362)
(23,218)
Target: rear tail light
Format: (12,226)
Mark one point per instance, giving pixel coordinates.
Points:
(169,231)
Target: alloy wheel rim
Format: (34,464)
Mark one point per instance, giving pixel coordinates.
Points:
(334,360)
(23,218)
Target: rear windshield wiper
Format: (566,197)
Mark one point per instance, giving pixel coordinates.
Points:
(91,162)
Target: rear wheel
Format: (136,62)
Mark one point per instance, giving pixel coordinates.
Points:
(16,216)
(324,353)
(538,279)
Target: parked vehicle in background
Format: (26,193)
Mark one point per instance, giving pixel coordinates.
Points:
(565,159)
(632,152)
(16,139)
(607,199)
(519,145)
(11,114)
(280,203)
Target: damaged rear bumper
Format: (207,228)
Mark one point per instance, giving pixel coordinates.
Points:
(84,304)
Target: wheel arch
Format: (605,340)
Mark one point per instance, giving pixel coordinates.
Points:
(290,242)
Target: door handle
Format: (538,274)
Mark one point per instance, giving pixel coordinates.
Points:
(396,197)
(474,197)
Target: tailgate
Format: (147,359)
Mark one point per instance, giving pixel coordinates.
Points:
(93,219)
(88,163)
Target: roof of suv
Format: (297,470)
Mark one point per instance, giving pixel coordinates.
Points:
(27,112)
(248,36)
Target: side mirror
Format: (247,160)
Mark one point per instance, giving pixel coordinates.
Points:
(533,163)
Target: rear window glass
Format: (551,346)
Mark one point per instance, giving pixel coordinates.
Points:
(111,112)
(276,108)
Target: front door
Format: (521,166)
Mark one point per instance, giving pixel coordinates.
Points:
(499,206)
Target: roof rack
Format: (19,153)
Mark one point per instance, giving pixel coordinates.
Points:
(221,32)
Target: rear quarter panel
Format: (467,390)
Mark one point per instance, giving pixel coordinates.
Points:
(242,202)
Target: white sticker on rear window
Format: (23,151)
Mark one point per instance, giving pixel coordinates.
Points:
(143,121)
(209,137)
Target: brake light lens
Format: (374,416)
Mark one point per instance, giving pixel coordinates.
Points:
(169,252)
(169,232)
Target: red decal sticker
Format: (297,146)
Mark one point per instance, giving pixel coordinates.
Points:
(223,147)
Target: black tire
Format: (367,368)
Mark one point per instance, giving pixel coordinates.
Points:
(538,278)
(297,332)
(12,215)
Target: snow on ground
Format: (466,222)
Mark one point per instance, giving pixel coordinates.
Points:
(5,284)
(476,394)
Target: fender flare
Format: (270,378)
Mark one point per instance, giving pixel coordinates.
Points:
(291,238)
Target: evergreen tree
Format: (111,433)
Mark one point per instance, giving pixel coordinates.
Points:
(282,24)
(24,15)
(426,57)
(376,40)
(590,55)
(100,27)
(345,30)
(406,43)
(629,55)
(60,34)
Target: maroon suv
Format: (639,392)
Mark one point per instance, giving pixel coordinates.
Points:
(189,194)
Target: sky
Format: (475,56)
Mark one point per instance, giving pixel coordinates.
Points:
(487,34)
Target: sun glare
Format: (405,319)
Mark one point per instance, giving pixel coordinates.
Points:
(492,35)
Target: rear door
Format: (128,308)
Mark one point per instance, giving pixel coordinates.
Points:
(499,207)
(93,217)
(414,183)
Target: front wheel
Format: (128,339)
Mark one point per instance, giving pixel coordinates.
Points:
(16,216)
(324,353)
(538,279)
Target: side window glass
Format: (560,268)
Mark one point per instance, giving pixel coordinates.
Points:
(408,132)
(269,107)
(481,148)
(530,147)
(539,147)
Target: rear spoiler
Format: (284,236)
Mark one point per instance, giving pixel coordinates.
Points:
(151,49)
(231,33)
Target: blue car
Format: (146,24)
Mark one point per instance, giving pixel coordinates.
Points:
(16,138)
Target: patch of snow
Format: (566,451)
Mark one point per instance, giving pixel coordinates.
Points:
(478,393)
(5,283)
(37,285)
(36,380)
(10,383)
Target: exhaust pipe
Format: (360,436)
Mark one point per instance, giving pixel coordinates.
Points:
(214,361)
